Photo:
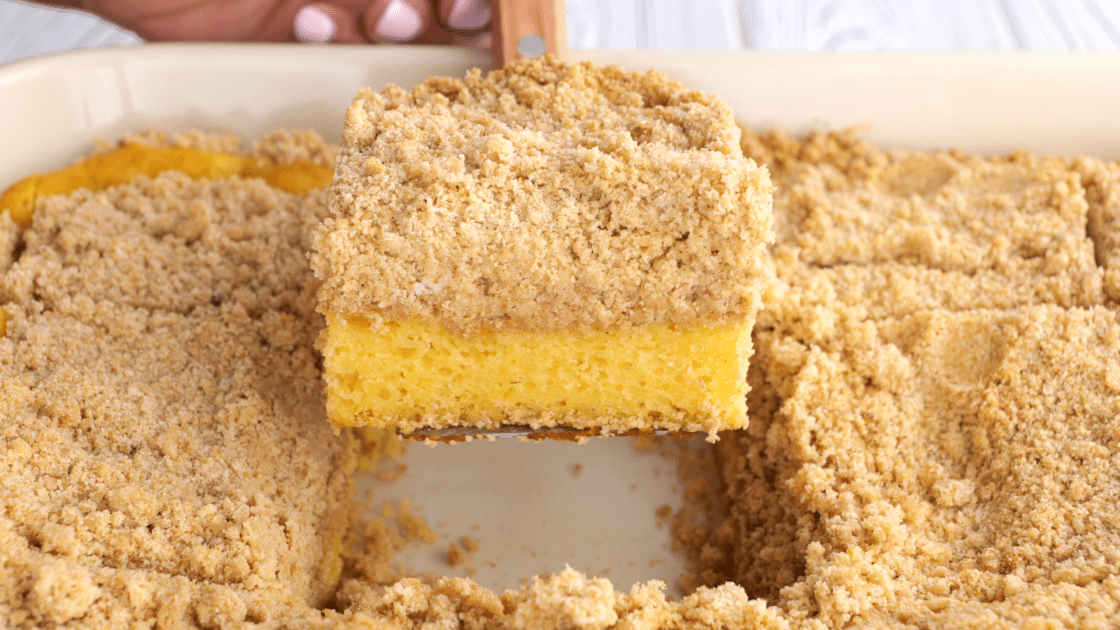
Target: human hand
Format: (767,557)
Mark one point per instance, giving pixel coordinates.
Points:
(338,21)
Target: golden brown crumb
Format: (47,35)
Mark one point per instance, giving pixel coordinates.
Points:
(542,197)
(459,554)
(577,469)
(410,603)
(174,244)
(10,234)
(894,289)
(167,452)
(285,146)
(763,517)
(693,525)
(998,467)
(1101,181)
(219,141)
(565,600)
(369,550)
(930,426)
(455,555)
(391,473)
(568,599)
(414,527)
(1016,222)
(281,146)
(379,450)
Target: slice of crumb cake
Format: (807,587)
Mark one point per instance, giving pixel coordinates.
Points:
(545,245)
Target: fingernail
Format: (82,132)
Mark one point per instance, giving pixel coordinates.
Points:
(314,25)
(400,22)
(469,14)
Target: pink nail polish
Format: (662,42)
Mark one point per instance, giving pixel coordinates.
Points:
(400,22)
(314,26)
(469,14)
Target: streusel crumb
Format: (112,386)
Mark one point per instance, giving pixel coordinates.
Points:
(934,468)
(166,453)
(280,146)
(220,141)
(10,234)
(932,426)
(1023,217)
(544,197)
(1101,181)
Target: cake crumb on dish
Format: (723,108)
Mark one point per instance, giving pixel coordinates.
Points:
(459,552)
(456,555)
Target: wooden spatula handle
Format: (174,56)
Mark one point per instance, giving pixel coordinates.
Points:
(528,28)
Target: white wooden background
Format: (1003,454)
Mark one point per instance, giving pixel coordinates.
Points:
(28,30)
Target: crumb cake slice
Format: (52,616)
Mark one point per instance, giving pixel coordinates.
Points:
(545,245)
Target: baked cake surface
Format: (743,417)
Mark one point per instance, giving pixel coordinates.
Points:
(166,458)
(933,428)
(543,199)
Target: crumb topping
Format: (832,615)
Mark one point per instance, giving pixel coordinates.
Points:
(280,146)
(10,235)
(166,452)
(931,428)
(1101,181)
(219,141)
(844,202)
(945,450)
(206,243)
(544,196)
(288,146)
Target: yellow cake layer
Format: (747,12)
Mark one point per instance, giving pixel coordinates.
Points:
(674,377)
